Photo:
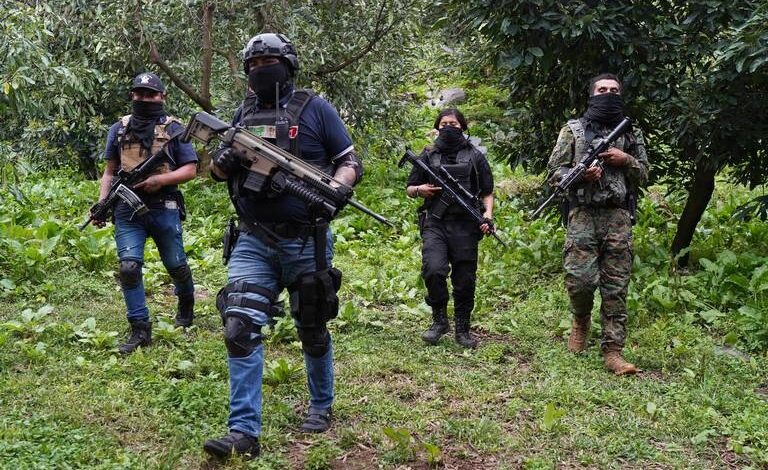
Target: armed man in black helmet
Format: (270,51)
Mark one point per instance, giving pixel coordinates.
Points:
(279,242)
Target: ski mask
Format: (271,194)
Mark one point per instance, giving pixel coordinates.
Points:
(607,108)
(262,80)
(450,139)
(143,119)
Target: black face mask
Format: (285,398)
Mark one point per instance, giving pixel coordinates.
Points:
(607,108)
(450,139)
(143,119)
(262,80)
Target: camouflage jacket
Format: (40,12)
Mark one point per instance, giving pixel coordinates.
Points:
(616,182)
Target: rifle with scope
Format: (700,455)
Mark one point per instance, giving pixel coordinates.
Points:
(271,167)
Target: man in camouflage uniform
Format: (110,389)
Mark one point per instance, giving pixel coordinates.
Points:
(598,245)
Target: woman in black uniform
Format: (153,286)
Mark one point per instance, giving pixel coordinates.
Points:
(450,237)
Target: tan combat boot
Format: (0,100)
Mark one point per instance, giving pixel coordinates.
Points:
(616,363)
(577,342)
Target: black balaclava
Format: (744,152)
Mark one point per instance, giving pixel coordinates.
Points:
(143,119)
(607,108)
(262,80)
(450,140)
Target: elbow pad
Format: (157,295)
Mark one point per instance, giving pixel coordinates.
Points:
(350,160)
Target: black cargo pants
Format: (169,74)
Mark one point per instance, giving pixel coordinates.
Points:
(449,246)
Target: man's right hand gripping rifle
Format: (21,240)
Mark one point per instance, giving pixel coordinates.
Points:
(590,168)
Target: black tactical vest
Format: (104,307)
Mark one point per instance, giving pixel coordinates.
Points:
(281,129)
(466,163)
(462,171)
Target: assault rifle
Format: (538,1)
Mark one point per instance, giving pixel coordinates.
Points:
(591,159)
(271,167)
(453,192)
(120,190)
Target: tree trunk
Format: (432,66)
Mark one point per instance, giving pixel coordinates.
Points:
(207,51)
(699,195)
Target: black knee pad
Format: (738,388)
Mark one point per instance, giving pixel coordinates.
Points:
(241,336)
(315,341)
(130,273)
(181,274)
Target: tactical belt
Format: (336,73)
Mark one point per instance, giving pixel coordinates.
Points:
(607,205)
(281,229)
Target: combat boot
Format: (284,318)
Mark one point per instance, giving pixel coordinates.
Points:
(616,363)
(463,336)
(439,326)
(577,341)
(185,313)
(141,335)
(317,420)
(234,443)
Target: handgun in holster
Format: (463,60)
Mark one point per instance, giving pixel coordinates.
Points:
(231,233)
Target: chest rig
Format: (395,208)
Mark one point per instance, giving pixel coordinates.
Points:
(462,171)
(612,190)
(279,125)
(131,151)
(466,163)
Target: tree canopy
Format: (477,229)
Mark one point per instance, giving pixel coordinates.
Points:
(694,74)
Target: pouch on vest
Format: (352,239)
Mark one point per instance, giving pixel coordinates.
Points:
(313,297)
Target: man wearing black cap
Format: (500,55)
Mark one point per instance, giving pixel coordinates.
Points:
(130,141)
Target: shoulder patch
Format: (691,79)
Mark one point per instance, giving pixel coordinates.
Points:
(576,127)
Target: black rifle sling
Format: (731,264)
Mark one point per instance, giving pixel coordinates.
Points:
(294,108)
(321,241)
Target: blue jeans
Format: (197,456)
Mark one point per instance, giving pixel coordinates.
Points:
(254,261)
(164,226)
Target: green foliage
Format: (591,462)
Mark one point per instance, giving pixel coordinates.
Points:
(551,417)
(87,333)
(321,455)
(398,402)
(403,449)
(283,331)
(712,51)
(281,371)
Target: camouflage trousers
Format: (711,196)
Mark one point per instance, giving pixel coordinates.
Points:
(598,253)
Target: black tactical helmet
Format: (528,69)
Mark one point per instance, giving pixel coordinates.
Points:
(271,45)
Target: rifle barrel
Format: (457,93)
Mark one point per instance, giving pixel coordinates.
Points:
(365,210)
(543,205)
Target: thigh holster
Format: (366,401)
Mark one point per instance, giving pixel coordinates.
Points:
(313,297)
(231,295)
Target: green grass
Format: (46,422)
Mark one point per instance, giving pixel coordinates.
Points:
(519,401)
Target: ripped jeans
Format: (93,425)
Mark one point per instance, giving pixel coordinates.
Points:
(164,226)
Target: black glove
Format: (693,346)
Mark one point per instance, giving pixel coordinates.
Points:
(228,160)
